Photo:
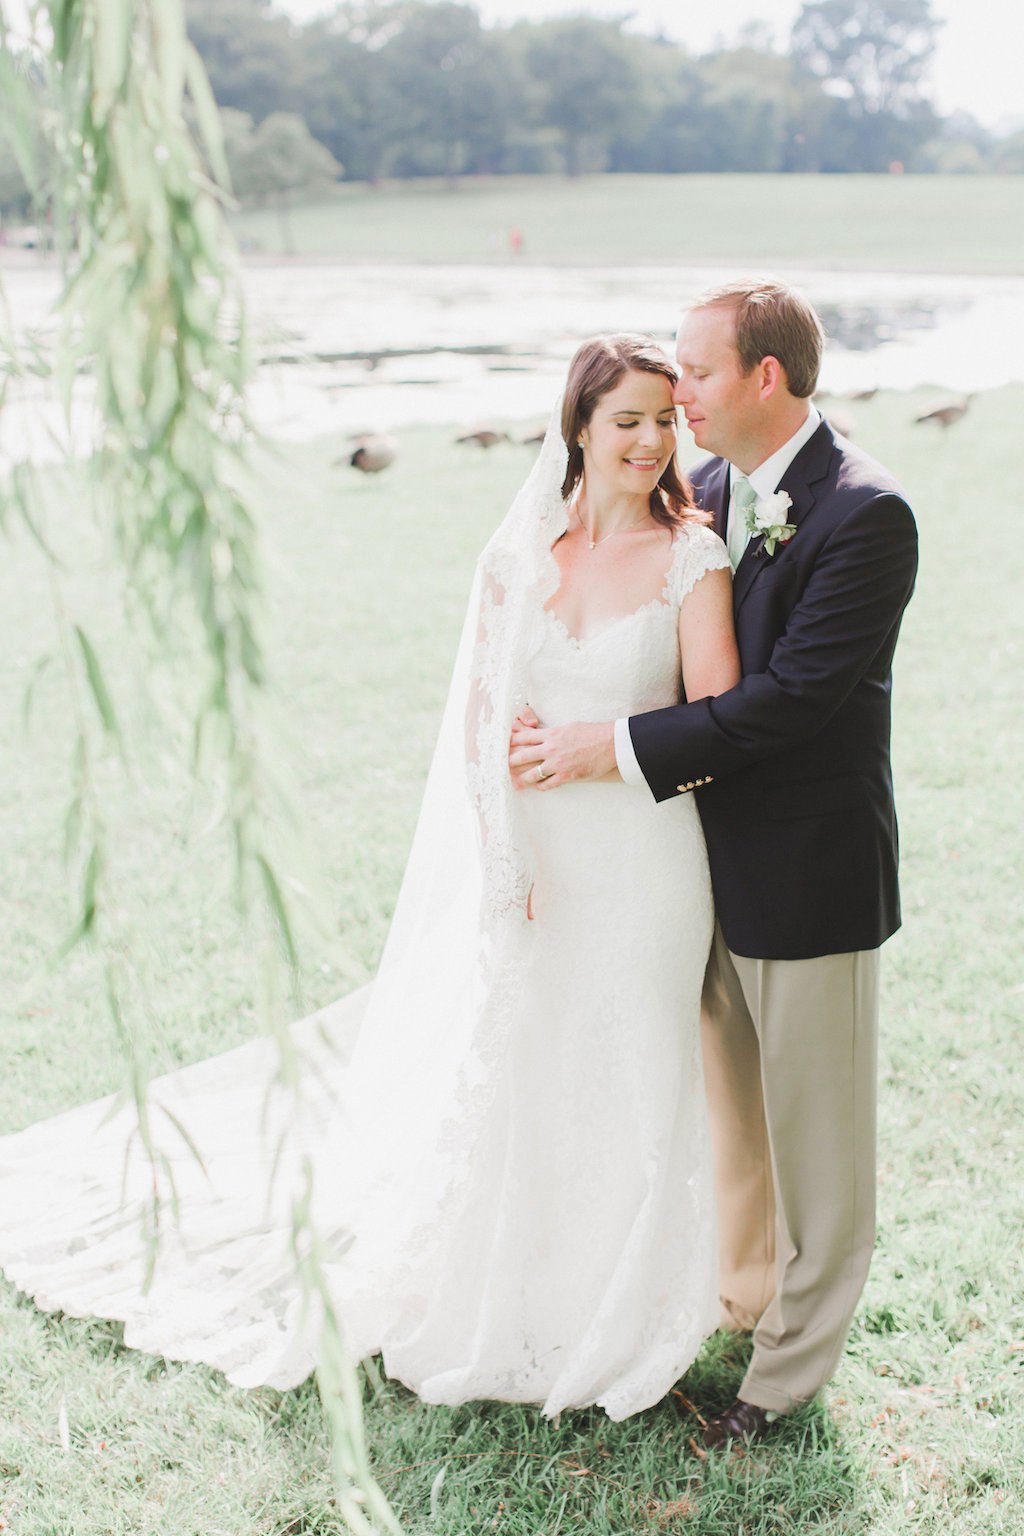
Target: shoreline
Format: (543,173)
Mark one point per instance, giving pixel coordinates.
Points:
(16,259)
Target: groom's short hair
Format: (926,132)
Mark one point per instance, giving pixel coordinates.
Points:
(773,320)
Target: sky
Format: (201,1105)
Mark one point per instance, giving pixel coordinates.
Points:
(977,66)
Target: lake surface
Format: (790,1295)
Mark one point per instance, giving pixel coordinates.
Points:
(351,348)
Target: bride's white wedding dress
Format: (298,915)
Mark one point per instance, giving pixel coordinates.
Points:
(529,1220)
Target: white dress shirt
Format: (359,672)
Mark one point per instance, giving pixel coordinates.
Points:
(765,480)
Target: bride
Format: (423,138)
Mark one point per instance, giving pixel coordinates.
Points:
(507,1131)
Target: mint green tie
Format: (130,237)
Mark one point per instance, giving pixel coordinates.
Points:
(742,498)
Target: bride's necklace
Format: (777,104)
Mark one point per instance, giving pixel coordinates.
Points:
(593,543)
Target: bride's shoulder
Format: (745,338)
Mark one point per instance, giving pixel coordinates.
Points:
(697,534)
(694,540)
(696,550)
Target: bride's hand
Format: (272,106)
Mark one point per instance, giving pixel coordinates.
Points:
(543,757)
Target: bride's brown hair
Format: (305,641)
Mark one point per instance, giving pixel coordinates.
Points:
(597,367)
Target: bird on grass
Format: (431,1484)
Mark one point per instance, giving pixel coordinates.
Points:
(370,453)
(484,437)
(946,414)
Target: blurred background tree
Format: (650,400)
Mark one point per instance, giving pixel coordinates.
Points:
(276,162)
(409,88)
(872,58)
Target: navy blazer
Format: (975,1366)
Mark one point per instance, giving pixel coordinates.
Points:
(792,765)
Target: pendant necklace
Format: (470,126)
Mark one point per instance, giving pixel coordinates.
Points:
(593,543)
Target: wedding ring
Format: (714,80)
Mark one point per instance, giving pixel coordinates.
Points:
(542,773)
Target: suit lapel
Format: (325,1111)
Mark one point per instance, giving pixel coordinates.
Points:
(806,471)
(714,497)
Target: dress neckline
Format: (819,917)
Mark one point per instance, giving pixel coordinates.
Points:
(662,600)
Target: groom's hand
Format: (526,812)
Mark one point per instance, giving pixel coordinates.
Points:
(545,756)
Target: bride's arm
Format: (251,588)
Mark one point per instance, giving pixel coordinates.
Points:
(707,637)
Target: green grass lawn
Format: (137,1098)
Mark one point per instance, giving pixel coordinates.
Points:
(920,1430)
(879,223)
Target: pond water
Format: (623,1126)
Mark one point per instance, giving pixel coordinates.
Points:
(377,348)
(351,348)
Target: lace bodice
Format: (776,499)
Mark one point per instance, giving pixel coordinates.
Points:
(631,663)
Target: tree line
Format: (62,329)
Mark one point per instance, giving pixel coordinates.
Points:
(406,88)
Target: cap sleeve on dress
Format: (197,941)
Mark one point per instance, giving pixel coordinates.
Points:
(697,550)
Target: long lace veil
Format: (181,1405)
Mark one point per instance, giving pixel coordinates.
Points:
(438,1013)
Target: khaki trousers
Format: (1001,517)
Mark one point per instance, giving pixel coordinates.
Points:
(790,1050)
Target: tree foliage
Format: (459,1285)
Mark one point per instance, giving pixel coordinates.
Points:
(251,53)
(871,57)
(276,162)
(422,88)
(875,53)
(588,84)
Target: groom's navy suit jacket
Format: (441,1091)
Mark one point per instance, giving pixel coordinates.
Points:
(792,765)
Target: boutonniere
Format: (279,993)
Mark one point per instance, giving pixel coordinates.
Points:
(768,517)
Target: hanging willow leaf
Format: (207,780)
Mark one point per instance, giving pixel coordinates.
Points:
(41,667)
(112,22)
(97,684)
(18,120)
(151,314)
(275,898)
(66,18)
(167,24)
(186,1136)
(207,116)
(87,917)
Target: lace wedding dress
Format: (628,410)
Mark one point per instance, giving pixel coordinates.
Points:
(514,1184)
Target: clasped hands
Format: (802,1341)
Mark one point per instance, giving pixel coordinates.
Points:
(545,756)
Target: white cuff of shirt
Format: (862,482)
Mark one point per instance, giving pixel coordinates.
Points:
(625,757)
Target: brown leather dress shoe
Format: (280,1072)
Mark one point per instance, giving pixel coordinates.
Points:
(743,1421)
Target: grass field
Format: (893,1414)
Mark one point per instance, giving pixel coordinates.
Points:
(873,223)
(920,1430)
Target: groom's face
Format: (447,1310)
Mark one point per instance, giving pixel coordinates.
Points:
(721,403)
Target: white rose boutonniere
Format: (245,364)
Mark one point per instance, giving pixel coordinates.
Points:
(768,516)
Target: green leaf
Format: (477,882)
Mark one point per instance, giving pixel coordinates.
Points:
(87,918)
(169,55)
(66,18)
(90,881)
(38,670)
(185,1135)
(19,120)
(276,902)
(112,22)
(207,115)
(97,684)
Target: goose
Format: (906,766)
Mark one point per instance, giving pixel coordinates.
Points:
(484,437)
(947,413)
(371,454)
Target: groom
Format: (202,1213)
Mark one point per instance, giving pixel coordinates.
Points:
(795,794)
